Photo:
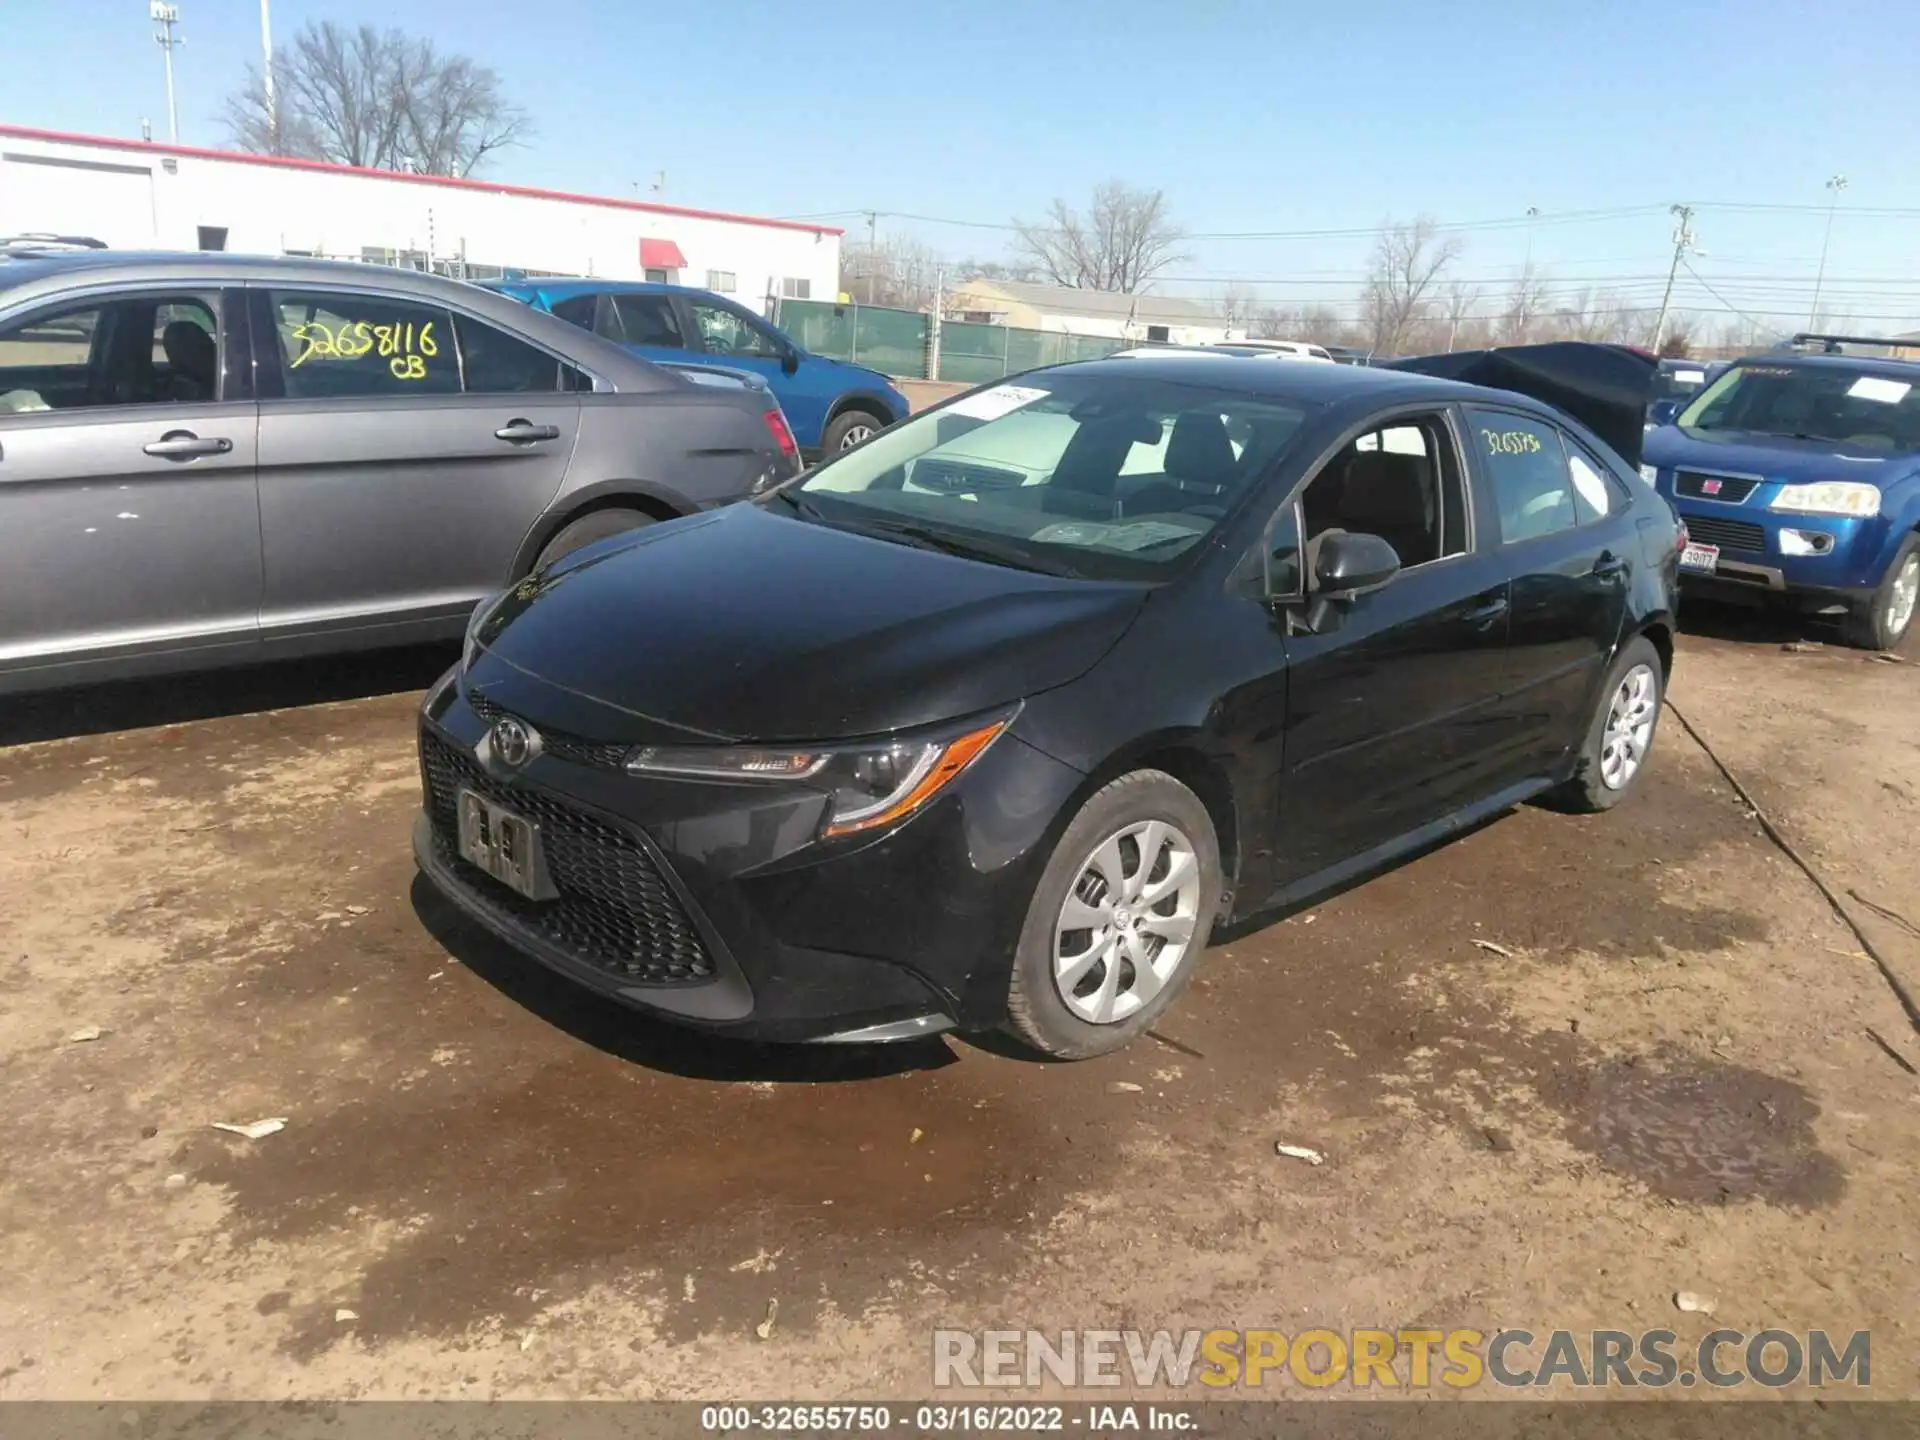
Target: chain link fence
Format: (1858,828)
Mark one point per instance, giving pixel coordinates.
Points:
(899,342)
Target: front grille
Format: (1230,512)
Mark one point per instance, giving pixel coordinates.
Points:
(615,910)
(561,746)
(1727,534)
(1733,488)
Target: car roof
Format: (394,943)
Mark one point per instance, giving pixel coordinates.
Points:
(1315,384)
(1853,364)
(564,285)
(49,275)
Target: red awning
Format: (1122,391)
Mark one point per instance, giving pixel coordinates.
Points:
(661,255)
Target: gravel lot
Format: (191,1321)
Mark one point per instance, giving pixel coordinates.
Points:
(491,1185)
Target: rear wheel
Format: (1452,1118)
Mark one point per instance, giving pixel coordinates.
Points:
(853,427)
(1882,622)
(588,528)
(1621,732)
(1118,920)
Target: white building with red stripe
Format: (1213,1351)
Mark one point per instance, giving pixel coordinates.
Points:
(137,195)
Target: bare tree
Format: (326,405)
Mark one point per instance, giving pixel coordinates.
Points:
(1316,324)
(376,98)
(1237,307)
(1526,302)
(1124,239)
(898,271)
(1459,307)
(1408,262)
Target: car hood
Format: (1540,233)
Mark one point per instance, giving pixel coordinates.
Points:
(1777,457)
(748,625)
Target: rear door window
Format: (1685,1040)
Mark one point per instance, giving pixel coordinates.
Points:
(340,345)
(151,349)
(649,320)
(1533,486)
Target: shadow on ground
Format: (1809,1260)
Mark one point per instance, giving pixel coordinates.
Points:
(173,699)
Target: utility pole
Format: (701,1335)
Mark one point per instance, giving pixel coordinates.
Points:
(167,16)
(873,251)
(266,78)
(1834,187)
(1682,242)
(933,324)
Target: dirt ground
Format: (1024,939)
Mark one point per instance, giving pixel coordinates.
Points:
(492,1185)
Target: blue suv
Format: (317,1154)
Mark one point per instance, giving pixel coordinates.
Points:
(1798,476)
(831,405)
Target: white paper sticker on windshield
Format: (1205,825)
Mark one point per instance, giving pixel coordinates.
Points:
(1690,377)
(1876,387)
(992,404)
(1138,535)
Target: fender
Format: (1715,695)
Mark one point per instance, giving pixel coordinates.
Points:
(861,400)
(660,501)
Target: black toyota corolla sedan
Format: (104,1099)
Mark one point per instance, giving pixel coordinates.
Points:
(989,721)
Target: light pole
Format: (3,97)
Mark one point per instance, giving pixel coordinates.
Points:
(1834,187)
(166,17)
(266,77)
(1533,214)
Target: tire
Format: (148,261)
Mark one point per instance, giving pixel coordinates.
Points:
(1147,808)
(597,525)
(851,428)
(1882,622)
(1598,781)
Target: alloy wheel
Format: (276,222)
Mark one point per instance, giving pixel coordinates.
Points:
(1906,591)
(1127,922)
(1629,730)
(857,435)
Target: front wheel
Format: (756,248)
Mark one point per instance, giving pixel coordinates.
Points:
(1620,734)
(1118,920)
(1883,621)
(855,427)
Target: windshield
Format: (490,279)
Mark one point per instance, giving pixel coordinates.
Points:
(1102,476)
(1837,403)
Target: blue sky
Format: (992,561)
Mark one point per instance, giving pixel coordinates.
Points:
(1253,115)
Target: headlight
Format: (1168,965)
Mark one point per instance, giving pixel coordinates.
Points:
(1650,474)
(1830,497)
(871,785)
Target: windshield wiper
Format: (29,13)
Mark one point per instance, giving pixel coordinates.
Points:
(802,505)
(972,547)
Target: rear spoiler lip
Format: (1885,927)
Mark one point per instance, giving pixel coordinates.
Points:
(1606,388)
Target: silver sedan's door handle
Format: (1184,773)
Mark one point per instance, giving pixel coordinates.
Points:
(185,445)
(524,432)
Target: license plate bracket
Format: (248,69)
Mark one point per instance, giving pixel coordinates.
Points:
(506,845)
(1704,558)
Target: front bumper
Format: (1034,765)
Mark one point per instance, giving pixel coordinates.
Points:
(717,906)
(1754,557)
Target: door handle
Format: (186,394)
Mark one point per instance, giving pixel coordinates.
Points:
(525,432)
(1609,565)
(185,445)
(1484,615)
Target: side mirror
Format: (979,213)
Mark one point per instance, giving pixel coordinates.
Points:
(790,360)
(1350,564)
(1664,412)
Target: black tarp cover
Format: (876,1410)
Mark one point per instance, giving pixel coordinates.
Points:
(1604,387)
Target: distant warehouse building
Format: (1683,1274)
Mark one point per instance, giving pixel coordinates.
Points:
(1102,313)
(133,194)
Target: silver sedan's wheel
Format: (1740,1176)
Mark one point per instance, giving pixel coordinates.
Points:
(1629,728)
(1127,922)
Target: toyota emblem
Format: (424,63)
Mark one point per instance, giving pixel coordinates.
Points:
(512,743)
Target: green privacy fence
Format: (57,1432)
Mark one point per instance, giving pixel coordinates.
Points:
(973,353)
(897,341)
(891,341)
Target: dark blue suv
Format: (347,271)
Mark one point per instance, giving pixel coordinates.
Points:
(831,405)
(1798,476)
